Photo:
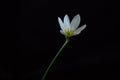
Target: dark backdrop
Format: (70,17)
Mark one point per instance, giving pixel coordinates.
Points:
(28,47)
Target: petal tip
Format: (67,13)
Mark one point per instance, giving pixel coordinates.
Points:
(78,15)
(83,27)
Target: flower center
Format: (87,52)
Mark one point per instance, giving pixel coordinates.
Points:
(69,32)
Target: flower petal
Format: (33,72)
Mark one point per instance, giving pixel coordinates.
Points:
(66,22)
(80,29)
(61,23)
(75,22)
(61,31)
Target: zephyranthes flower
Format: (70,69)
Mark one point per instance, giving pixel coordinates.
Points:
(70,29)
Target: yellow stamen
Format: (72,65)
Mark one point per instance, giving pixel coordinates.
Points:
(69,32)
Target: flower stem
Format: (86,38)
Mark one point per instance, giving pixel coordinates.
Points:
(53,60)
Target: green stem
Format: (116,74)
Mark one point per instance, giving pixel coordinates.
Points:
(53,60)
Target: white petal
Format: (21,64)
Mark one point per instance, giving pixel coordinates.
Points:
(80,29)
(66,22)
(61,23)
(61,31)
(75,22)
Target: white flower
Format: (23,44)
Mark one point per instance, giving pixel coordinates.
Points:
(70,29)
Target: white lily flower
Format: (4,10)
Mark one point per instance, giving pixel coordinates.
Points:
(70,29)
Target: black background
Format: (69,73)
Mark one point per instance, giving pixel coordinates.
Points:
(28,47)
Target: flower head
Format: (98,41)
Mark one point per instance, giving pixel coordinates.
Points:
(70,28)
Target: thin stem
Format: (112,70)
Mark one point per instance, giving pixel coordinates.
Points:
(53,60)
